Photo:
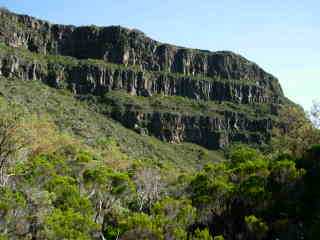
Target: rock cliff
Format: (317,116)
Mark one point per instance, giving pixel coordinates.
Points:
(96,77)
(97,60)
(129,47)
(212,132)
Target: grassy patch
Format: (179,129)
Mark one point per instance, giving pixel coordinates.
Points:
(81,120)
(182,105)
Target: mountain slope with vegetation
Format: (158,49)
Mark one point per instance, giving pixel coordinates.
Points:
(108,134)
(97,60)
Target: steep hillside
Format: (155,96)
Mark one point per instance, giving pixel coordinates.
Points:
(208,98)
(108,134)
(83,122)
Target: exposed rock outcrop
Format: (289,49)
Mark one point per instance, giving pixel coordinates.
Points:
(84,77)
(129,47)
(211,132)
(96,60)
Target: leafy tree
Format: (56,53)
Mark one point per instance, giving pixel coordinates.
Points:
(311,196)
(68,224)
(256,227)
(219,237)
(67,196)
(105,187)
(141,226)
(253,192)
(3,237)
(315,114)
(295,134)
(44,137)
(283,183)
(211,188)
(175,217)
(40,169)
(284,174)
(12,139)
(202,235)
(241,153)
(179,211)
(13,213)
(39,206)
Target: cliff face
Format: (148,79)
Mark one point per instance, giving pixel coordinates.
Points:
(210,132)
(85,77)
(129,47)
(128,60)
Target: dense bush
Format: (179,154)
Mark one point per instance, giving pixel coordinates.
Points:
(55,185)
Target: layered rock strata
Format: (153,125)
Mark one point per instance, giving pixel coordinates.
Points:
(97,60)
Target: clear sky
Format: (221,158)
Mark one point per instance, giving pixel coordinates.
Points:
(282,36)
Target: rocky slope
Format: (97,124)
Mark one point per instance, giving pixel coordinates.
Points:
(98,60)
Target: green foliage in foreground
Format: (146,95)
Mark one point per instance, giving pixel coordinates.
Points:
(77,175)
(74,191)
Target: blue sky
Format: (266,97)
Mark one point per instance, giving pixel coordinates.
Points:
(283,37)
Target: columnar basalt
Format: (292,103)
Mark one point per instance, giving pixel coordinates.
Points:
(92,60)
(211,132)
(129,47)
(85,77)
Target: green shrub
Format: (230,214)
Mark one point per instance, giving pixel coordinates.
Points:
(67,196)
(256,226)
(68,224)
(202,235)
